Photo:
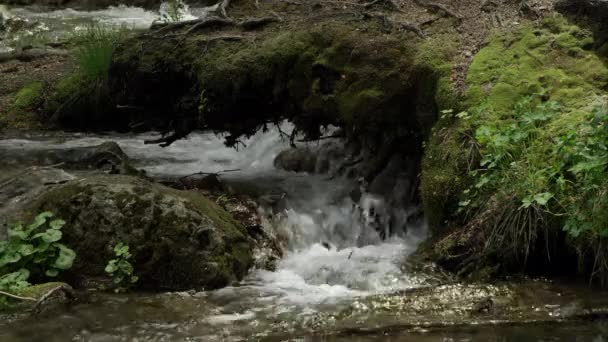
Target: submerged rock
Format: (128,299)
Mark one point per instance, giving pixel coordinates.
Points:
(179,239)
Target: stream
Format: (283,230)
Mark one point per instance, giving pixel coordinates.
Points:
(339,280)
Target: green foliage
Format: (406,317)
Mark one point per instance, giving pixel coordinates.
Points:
(95,46)
(120,269)
(29,97)
(33,251)
(528,158)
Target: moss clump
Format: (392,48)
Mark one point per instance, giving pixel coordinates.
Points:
(29,97)
(522,164)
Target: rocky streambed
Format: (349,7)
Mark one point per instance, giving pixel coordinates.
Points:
(312,263)
(313,224)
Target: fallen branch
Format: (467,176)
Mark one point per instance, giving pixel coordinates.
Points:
(167,140)
(66,289)
(202,173)
(10,295)
(224,7)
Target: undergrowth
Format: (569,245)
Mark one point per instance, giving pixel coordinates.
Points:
(531,147)
(32,253)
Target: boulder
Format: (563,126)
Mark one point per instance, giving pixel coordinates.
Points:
(179,239)
(297,159)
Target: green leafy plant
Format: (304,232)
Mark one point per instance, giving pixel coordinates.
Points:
(534,177)
(120,269)
(33,251)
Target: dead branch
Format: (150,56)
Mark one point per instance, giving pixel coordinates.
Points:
(66,289)
(167,140)
(17,297)
(224,7)
(203,173)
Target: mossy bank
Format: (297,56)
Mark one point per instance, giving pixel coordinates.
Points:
(516,171)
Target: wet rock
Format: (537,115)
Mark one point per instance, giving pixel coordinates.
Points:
(107,156)
(19,186)
(268,247)
(298,159)
(179,239)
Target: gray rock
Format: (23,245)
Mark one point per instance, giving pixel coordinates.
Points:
(179,239)
(106,156)
(298,159)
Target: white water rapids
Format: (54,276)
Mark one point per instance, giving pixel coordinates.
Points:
(318,212)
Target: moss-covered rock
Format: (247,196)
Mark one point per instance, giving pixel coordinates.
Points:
(179,239)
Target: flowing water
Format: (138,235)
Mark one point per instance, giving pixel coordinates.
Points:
(338,281)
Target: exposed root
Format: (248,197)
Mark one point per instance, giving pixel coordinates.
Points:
(67,291)
(224,7)
(391,24)
(17,297)
(212,22)
(437,7)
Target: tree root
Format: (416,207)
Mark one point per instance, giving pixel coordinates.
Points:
(212,22)
(67,290)
(437,7)
(17,297)
(399,25)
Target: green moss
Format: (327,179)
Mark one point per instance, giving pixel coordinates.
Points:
(508,80)
(37,291)
(29,97)
(537,61)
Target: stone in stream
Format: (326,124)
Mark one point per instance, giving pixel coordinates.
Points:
(179,239)
(107,155)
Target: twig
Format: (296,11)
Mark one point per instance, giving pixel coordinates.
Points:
(17,297)
(167,140)
(322,138)
(208,173)
(66,289)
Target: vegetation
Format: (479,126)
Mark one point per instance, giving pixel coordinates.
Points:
(33,253)
(120,269)
(534,138)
